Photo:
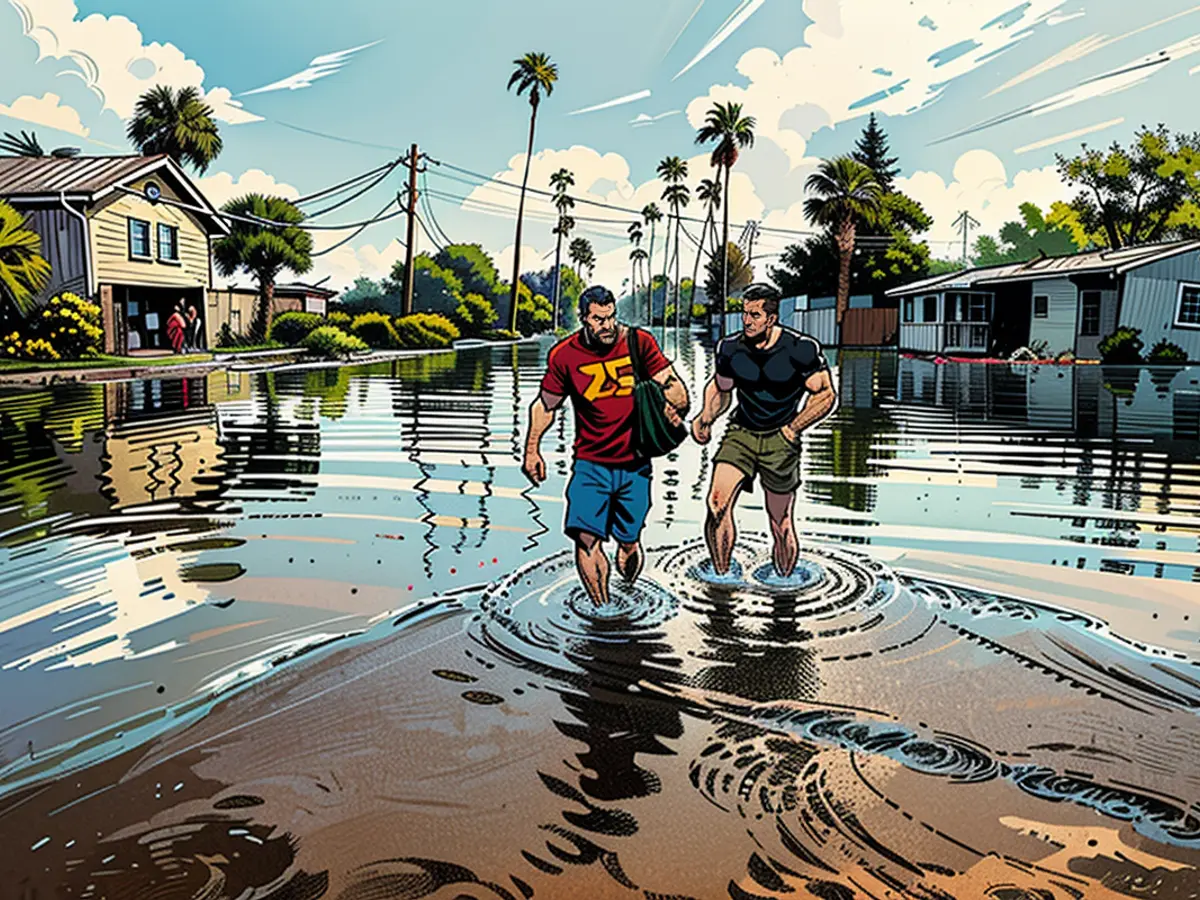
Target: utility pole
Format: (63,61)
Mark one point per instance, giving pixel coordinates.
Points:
(414,157)
(752,230)
(965,223)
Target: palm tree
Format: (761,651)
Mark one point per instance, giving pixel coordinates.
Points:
(24,272)
(28,145)
(846,192)
(179,124)
(635,237)
(673,171)
(560,181)
(637,256)
(536,74)
(725,125)
(264,250)
(709,193)
(577,252)
(650,215)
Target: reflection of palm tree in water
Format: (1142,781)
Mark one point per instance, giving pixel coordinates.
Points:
(771,663)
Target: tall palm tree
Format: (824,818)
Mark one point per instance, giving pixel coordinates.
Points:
(179,124)
(725,125)
(637,256)
(560,181)
(635,237)
(651,215)
(709,193)
(264,250)
(28,145)
(673,171)
(24,272)
(577,252)
(845,193)
(536,74)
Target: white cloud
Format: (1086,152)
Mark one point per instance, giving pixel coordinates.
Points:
(320,67)
(982,187)
(49,111)
(112,59)
(347,263)
(222,187)
(846,42)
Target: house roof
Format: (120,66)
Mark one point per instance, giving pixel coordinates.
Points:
(91,178)
(1117,261)
(297,287)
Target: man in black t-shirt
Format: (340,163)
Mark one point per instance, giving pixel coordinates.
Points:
(774,370)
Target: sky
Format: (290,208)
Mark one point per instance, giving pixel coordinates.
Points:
(976,96)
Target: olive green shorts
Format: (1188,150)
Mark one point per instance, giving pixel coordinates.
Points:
(768,456)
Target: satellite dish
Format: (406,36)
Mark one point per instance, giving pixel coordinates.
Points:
(153,192)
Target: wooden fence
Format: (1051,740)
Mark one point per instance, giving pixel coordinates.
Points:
(860,328)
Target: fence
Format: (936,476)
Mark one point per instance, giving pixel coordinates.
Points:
(860,328)
(870,327)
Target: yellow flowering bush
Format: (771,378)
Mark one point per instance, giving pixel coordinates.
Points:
(14,347)
(71,326)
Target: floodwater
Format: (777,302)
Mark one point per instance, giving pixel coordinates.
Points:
(310,634)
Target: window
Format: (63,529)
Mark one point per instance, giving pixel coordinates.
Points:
(139,239)
(1041,307)
(1089,314)
(168,243)
(930,309)
(908,309)
(977,308)
(1188,311)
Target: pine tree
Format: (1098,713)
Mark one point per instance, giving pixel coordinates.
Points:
(872,151)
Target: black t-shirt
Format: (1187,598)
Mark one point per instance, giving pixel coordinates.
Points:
(769,383)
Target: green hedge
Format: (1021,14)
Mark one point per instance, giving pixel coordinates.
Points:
(291,328)
(1166,353)
(332,342)
(1122,348)
(425,331)
(339,319)
(375,330)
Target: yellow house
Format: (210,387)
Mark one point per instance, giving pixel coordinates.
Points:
(130,232)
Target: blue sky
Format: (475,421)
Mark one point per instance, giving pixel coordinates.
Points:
(435,73)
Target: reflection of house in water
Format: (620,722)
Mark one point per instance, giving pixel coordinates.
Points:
(161,442)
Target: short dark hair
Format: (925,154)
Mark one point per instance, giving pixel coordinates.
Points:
(597,295)
(765,293)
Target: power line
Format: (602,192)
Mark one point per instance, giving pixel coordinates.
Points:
(379,217)
(338,188)
(370,186)
(334,137)
(432,239)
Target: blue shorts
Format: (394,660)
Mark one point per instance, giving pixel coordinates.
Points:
(608,501)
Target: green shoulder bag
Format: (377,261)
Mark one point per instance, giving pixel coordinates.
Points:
(653,433)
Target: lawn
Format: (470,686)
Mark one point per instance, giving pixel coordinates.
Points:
(103,362)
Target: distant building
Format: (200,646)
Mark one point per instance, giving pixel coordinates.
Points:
(236,306)
(129,232)
(1069,302)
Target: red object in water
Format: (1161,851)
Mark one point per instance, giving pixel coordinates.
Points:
(410,587)
(494,560)
(454,571)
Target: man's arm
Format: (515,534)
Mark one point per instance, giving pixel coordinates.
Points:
(821,400)
(541,417)
(675,392)
(718,396)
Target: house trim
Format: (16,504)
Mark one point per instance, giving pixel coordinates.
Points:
(1192,247)
(1179,306)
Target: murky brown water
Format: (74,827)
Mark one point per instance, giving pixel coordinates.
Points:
(982,681)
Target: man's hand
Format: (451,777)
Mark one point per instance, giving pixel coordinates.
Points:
(790,434)
(673,414)
(701,430)
(534,467)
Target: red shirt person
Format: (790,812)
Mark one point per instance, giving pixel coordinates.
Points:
(609,491)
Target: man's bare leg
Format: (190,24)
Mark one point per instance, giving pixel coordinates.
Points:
(783,531)
(630,560)
(720,531)
(592,563)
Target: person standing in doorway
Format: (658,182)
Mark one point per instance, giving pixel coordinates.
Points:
(609,491)
(195,329)
(177,328)
(783,388)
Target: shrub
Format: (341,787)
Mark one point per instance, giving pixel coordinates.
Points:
(535,314)
(332,342)
(338,319)
(375,330)
(226,337)
(15,347)
(475,314)
(425,331)
(1122,348)
(293,327)
(69,325)
(1167,354)
(502,334)
(699,310)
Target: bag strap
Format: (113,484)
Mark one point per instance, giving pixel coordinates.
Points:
(635,354)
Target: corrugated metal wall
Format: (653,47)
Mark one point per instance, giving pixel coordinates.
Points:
(1058,329)
(1151,298)
(62,246)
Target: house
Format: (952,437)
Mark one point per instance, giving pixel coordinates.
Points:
(1068,302)
(236,306)
(131,233)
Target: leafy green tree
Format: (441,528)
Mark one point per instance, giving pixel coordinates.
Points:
(436,289)
(1021,241)
(536,74)
(27,144)
(732,132)
(24,272)
(177,123)
(734,268)
(264,250)
(363,295)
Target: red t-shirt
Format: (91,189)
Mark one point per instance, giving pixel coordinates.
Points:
(600,385)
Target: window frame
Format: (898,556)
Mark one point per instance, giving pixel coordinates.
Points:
(929,302)
(1083,295)
(908,311)
(174,232)
(148,256)
(1177,321)
(1045,314)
